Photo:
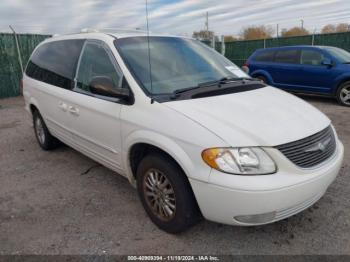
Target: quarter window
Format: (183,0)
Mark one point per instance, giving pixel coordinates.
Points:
(291,56)
(96,61)
(311,57)
(55,62)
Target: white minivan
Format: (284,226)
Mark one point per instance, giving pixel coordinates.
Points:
(193,133)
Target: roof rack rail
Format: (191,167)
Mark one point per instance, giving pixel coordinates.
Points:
(89,30)
(111,30)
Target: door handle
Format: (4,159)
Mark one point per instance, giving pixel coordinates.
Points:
(63,106)
(73,110)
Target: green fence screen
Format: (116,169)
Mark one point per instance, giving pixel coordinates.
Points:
(10,70)
(238,52)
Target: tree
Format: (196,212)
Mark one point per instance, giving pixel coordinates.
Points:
(230,38)
(203,35)
(330,28)
(295,31)
(256,32)
(343,27)
(339,28)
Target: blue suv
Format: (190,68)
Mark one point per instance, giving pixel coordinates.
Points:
(322,70)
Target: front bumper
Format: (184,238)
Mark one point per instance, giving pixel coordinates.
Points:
(280,195)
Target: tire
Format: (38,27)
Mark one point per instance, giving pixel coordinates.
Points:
(262,78)
(180,210)
(343,94)
(42,134)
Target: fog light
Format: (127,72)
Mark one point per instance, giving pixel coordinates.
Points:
(256,219)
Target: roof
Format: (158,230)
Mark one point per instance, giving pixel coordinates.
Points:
(292,46)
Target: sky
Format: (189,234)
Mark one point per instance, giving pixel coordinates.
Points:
(226,17)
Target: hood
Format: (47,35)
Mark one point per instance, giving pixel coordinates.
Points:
(261,117)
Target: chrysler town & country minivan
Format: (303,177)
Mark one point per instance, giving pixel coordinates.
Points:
(193,133)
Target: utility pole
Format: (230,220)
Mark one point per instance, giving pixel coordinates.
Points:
(277,30)
(302,23)
(207,24)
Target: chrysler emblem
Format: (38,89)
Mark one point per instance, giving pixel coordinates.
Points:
(320,146)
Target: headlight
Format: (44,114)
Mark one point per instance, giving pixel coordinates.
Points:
(240,161)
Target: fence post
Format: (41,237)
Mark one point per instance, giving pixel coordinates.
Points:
(213,42)
(223,47)
(264,43)
(313,37)
(18,50)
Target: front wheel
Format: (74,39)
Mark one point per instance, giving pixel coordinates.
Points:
(166,194)
(343,94)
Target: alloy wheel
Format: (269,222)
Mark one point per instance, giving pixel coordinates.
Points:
(345,94)
(39,130)
(159,194)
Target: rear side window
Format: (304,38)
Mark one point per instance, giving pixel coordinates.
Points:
(291,56)
(311,57)
(55,62)
(265,56)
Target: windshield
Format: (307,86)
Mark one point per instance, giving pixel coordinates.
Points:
(340,54)
(176,63)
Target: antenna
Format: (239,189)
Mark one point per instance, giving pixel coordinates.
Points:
(149,54)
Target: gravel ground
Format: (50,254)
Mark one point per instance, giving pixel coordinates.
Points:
(62,202)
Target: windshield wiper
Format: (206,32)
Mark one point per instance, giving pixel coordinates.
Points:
(200,85)
(226,80)
(183,90)
(217,83)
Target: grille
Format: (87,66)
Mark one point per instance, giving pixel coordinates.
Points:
(312,150)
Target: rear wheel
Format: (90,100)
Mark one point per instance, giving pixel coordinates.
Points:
(343,94)
(42,134)
(166,194)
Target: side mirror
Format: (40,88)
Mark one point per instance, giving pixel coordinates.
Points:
(327,62)
(103,85)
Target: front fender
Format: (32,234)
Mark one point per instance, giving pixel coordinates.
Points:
(173,148)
